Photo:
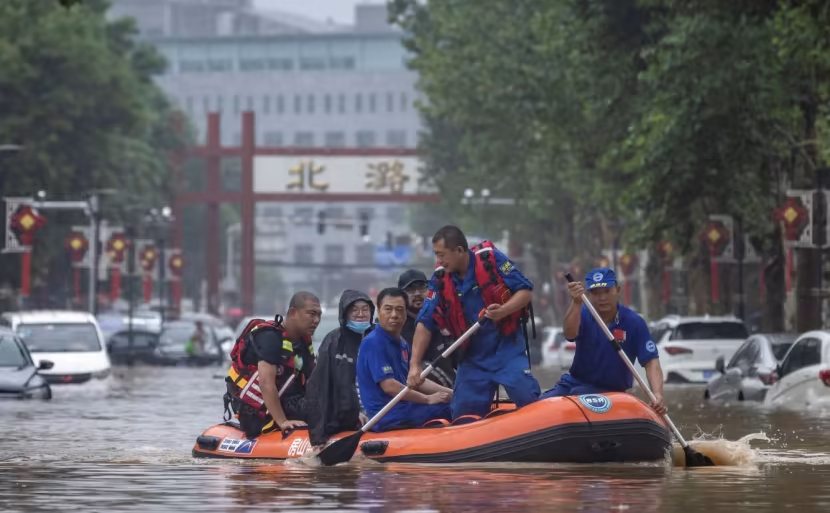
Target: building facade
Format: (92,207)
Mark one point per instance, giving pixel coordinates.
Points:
(312,85)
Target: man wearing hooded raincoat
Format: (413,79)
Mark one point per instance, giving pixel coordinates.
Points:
(332,398)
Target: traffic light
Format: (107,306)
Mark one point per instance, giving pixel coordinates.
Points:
(321,222)
(364,224)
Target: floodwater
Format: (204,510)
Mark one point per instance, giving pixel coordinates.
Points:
(124,445)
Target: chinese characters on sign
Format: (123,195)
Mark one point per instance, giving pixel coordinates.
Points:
(309,170)
(387,176)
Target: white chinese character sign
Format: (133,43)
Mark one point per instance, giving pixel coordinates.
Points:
(373,175)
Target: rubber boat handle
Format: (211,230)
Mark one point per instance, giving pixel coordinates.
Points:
(628,363)
(463,338)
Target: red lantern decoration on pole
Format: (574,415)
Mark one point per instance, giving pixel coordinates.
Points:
(666,252)
(716,237)
(25,223)
(176,266)
(148,258)
(627,265)
(794,217)
(603,262)
(77,245)
(116,248)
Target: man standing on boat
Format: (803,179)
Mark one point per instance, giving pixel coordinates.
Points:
(467,281)
(596,367)
(382,366)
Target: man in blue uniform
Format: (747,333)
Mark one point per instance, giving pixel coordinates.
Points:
(597,367)
(382,366)
(495,354)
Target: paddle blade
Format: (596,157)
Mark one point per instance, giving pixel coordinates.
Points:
(340,451)
(694,458)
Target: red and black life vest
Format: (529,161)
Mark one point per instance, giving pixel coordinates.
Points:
(449,314)
(244,393)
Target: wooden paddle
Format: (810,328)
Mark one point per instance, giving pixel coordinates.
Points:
(342,450)
(693,458)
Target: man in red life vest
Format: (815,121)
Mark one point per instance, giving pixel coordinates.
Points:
(467,281)
(264,357)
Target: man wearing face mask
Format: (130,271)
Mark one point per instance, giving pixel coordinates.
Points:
(332,400)
(415,284)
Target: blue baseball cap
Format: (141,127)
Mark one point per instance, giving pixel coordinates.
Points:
(600,278)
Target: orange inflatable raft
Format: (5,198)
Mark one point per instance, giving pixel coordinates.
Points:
(592,428)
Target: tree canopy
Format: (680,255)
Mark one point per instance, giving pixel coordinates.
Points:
(643,114)
(77,93)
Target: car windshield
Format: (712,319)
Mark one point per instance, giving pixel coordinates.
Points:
(78,337)
(710,331)
(141,339)
(781,343)
(11,353)
(178,334)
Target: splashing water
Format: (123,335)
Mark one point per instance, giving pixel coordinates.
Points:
(722,452)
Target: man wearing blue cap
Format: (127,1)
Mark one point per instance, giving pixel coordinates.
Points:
(596,367)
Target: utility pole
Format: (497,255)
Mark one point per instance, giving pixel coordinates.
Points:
(130,232)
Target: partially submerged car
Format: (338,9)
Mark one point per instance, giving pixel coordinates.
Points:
(19,377)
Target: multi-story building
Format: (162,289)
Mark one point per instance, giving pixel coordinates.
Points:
(311,84)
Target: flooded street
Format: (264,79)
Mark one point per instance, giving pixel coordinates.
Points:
(125,445)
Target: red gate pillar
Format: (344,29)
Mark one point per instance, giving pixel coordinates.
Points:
(248,205)
(214,187)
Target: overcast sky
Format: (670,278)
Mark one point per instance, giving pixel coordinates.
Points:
(341,11)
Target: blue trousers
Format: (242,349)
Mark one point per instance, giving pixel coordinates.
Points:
(568,385)
(412,415)
(475,387)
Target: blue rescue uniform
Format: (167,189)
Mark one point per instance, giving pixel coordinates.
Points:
(597,367)
(491,359)
(382,357)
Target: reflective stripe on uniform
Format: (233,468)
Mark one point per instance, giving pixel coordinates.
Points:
(287,345)
(241,382)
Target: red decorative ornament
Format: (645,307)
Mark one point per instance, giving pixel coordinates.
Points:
(793,215)
(665,250)
(77,245)
(176,264)
(117,247)
(603,262)
(716,237)
(627,264)
(25,223)
(148,258)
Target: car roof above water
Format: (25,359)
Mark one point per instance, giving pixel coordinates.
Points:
(50,316)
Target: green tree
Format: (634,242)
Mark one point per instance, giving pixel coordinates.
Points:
(77,92)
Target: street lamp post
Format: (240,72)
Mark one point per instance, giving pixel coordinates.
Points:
(160,220)
(469,194)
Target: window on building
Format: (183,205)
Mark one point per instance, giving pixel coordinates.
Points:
(404,102)
(280,64)
(189,103)
(188,66)
(220,65)
(266,104)
(298,104)
(365,253)
(341,104)
(252,64)
(365,139)
(334,254)
(395,214)
(220,103)
(372,102)
(304,139)
(273,138)
(310,103)
(236,104)
(206,103)
(335,139)
(303,254)
(390,102)
(237,139)
(249,103)
(396,138)
(303,216)
(358,103)
(342,63)
(280,104)
(327,104)
(312,63)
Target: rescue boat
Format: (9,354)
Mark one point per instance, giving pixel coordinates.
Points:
(591,428)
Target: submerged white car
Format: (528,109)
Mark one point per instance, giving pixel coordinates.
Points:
(73,341)
(803,377)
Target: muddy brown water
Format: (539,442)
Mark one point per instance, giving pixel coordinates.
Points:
(124,445)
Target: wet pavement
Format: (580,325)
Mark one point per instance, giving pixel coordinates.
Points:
(124,445)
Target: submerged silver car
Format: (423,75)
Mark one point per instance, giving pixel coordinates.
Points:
(751,370)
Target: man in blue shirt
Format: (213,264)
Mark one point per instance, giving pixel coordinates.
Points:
(495,355)
(597,367)
(382,367)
